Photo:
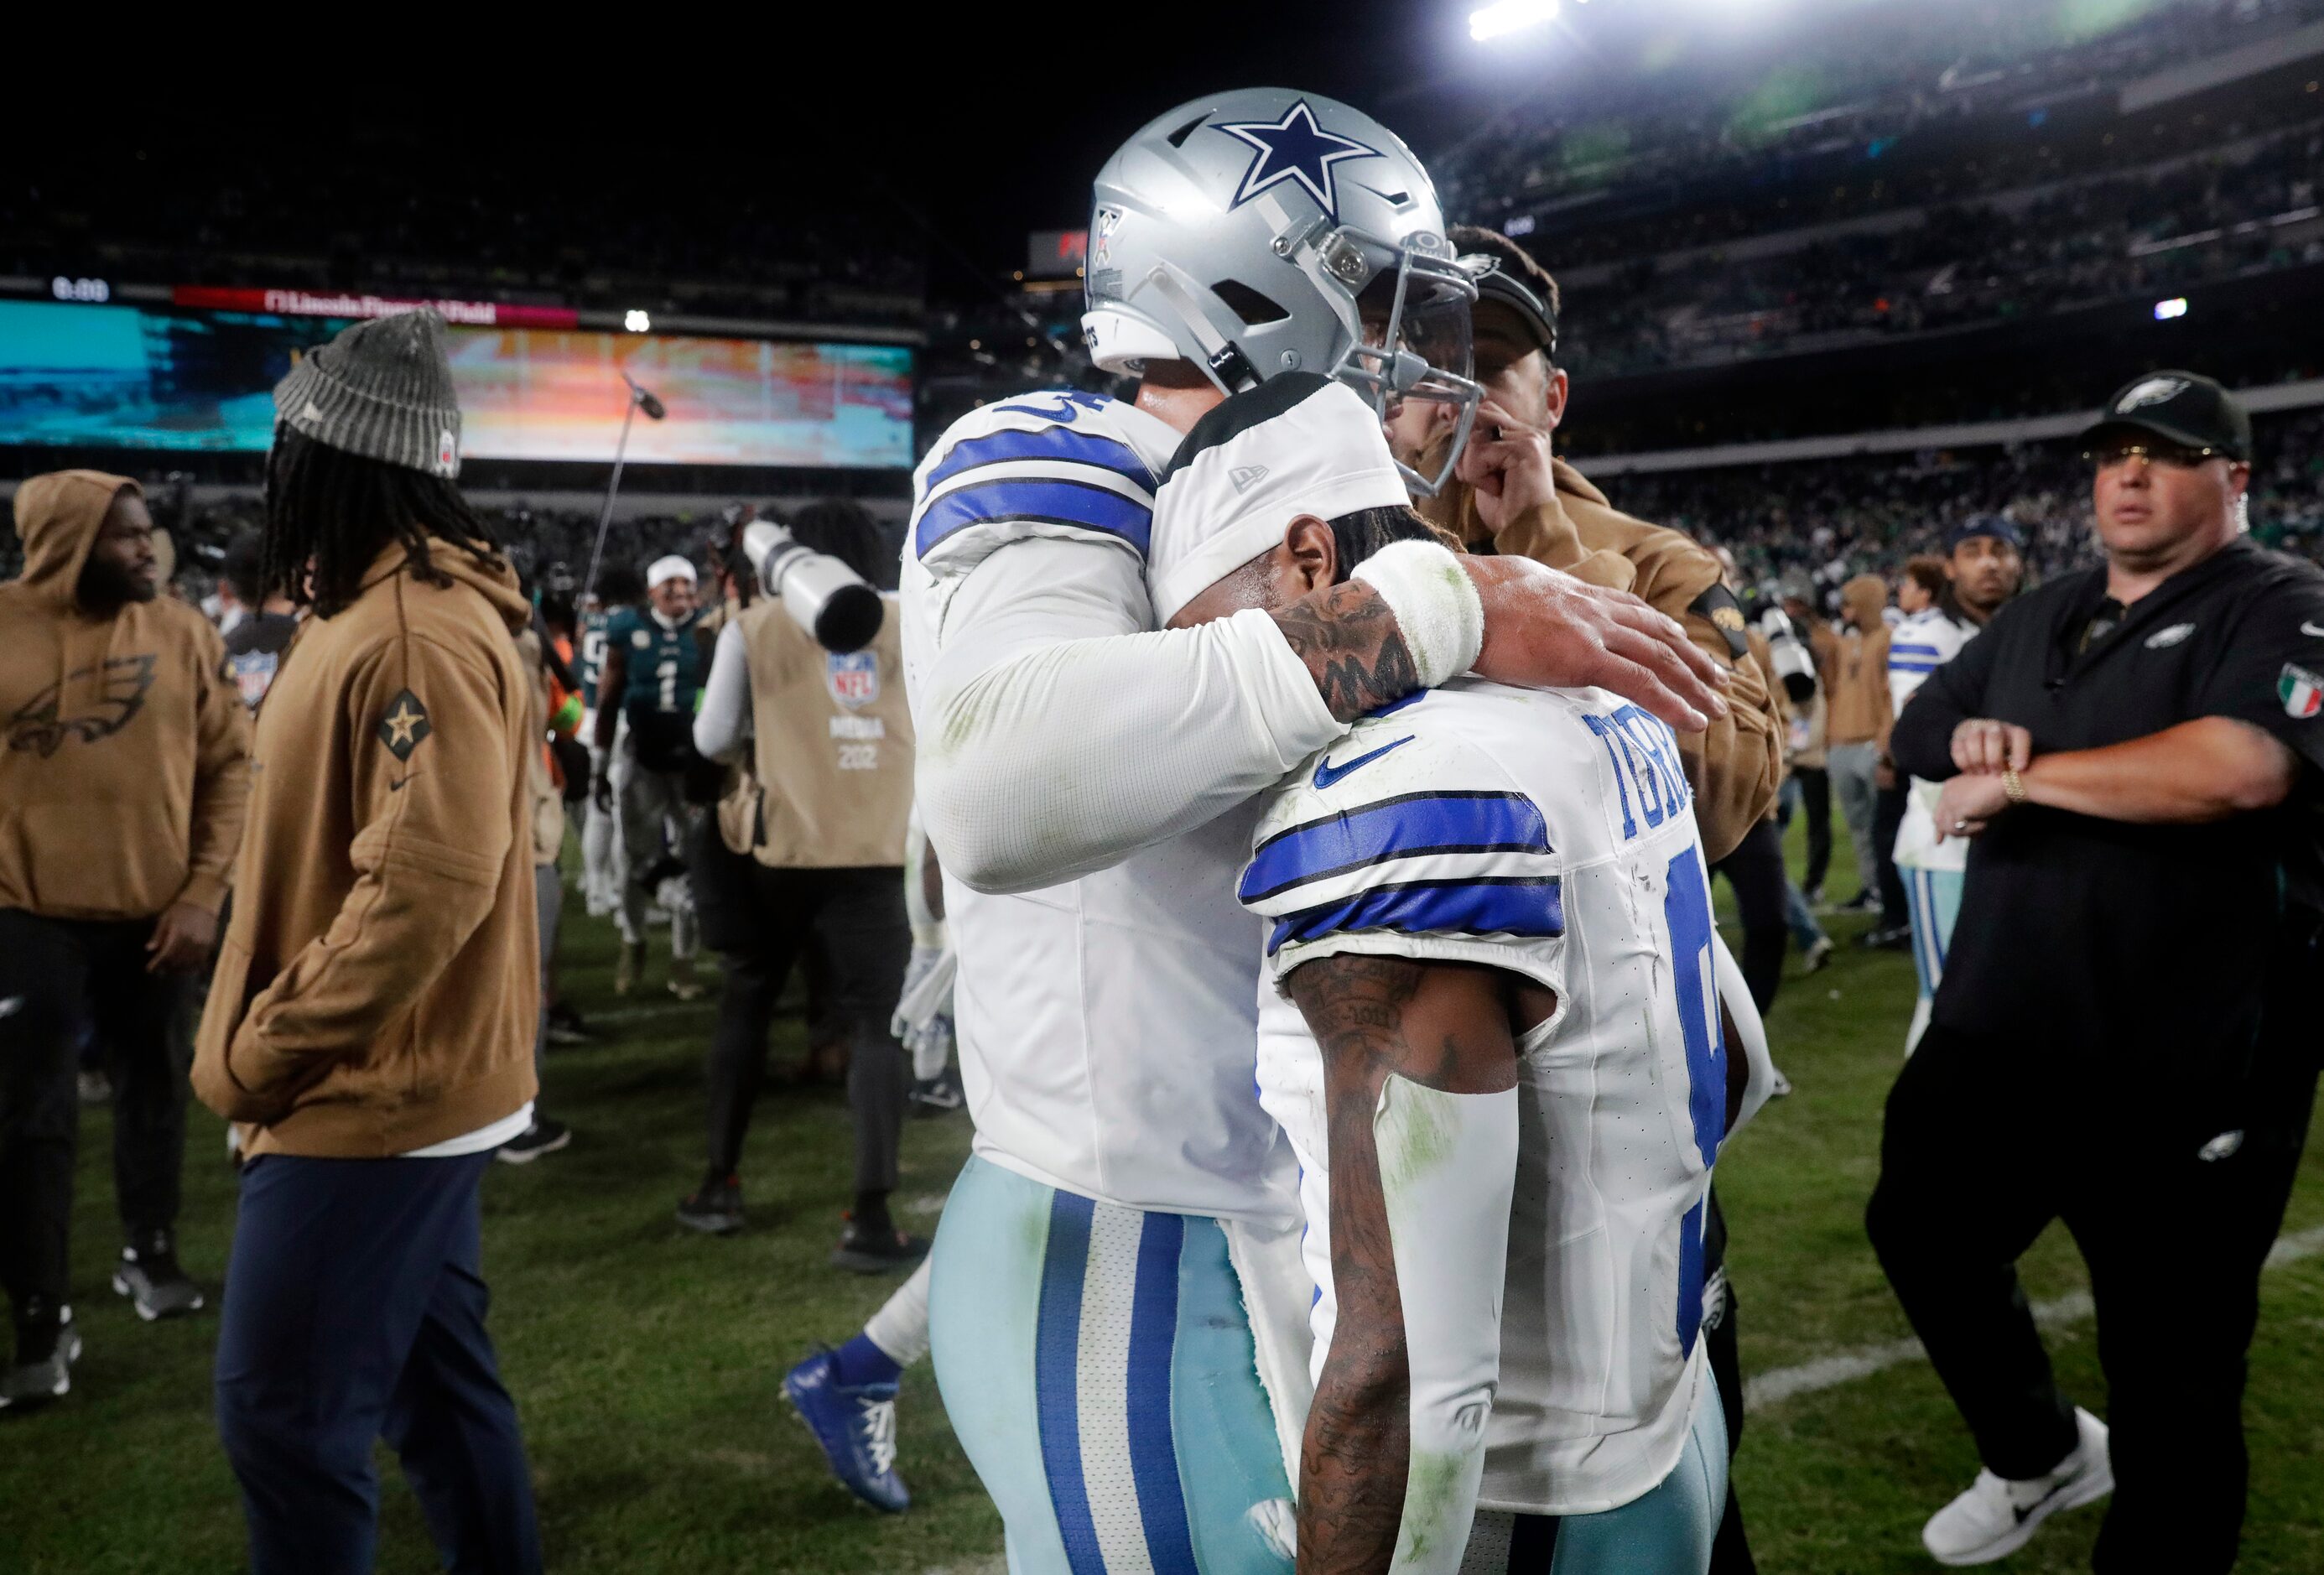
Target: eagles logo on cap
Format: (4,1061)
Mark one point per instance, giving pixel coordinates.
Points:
(2154,390)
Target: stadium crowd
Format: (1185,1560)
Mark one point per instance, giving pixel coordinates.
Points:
(1832,519)
(2142,235)
(1864,122)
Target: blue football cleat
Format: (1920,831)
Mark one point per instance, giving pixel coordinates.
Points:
(856,1427)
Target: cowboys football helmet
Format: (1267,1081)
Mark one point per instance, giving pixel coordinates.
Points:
(1263,231)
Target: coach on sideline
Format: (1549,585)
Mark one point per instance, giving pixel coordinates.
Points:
(2127,1035)
(370,1028)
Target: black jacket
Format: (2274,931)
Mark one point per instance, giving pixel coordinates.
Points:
(2106,940)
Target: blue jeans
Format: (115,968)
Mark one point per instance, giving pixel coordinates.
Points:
(355,1311)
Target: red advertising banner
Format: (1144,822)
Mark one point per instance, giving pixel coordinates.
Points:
(324,303)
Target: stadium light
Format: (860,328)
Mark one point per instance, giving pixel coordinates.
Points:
(1506,17)
(636,321)
(2164,310)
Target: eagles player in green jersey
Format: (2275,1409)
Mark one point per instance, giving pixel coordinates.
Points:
(648,687)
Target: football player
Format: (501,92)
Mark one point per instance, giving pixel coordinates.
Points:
(618,589)
(1500,1063)
(1129,1219)
(652,677)
(1983,568)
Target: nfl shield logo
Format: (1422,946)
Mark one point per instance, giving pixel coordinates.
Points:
(853,680)
(2302,691)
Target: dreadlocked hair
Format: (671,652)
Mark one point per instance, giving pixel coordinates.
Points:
(339,511)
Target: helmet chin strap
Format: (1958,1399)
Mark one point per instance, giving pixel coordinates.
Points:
(1223,360)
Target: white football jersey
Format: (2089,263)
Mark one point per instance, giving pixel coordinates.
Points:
(1104,1024)
(1550,834)
(1924,642)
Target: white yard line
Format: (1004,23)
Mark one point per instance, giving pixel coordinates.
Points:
(1829,1372)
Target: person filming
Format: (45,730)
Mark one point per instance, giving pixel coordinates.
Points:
(811,847)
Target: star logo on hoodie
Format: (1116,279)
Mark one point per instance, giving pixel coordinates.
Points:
(404,726)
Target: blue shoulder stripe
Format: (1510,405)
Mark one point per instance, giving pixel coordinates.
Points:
(1062,445)
(1394,828)
(1490,906)
(1057,501)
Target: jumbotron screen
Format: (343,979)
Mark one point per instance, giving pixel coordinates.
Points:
(178,378)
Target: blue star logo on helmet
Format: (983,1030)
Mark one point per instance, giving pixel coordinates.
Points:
(1297,149)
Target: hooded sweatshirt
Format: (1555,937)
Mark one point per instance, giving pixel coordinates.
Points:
(377,988)
(127,762)
(1736,767)
(1860,711)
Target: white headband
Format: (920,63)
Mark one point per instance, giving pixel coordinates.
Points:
(1297,444)
(672,568)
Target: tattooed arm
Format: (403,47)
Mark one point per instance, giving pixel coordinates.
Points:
(1446,1027)
(1348,639)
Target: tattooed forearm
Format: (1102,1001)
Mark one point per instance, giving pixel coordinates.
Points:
(1349,639)
(1446,1025)
(1358,1446)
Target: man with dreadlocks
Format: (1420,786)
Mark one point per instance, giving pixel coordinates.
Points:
(370,1028)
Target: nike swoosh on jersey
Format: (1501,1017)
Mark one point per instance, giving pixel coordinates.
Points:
(1327,773)
(2311,630)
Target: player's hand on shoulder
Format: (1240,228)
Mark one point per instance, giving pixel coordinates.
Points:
(1545,629)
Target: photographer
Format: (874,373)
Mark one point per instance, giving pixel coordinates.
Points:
(646,701)
(811,846)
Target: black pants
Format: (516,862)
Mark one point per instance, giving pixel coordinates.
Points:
(1887,816)
(1815,797)
(1730,1549)
(1755,870)
(58,978)
(761,921)
(1985,1141)
(355,1311)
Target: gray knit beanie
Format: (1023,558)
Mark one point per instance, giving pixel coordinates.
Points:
(383,389)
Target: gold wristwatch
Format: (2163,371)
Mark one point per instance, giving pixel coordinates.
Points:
(2013,786)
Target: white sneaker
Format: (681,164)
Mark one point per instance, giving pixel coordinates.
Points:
(1996,1516)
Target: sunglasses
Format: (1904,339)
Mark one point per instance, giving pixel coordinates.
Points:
(2177,456)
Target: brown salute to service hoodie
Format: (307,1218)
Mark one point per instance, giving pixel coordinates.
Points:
(1736,767)
(126,749)
(377,988)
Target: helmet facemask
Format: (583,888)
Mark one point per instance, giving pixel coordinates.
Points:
(1412,339)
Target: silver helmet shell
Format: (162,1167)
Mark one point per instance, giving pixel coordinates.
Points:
(1264,231)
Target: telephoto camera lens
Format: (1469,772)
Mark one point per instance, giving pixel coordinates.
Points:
(822,595)
(1794,663)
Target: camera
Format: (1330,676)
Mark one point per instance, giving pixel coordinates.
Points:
(1794,663)
(822,595)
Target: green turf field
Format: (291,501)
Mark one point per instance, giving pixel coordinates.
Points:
(645,1359)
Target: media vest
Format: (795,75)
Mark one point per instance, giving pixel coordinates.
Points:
(831,751)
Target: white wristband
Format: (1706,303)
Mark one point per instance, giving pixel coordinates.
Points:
(1435,604)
